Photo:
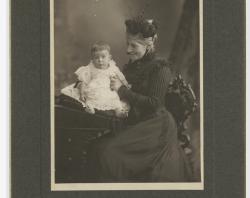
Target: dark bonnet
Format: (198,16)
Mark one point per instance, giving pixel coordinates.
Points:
(148,28)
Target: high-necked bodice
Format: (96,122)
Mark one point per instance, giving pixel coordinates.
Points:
(149,78)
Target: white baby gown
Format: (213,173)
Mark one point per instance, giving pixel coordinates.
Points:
(97,91)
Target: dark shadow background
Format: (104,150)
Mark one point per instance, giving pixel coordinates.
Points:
(80,23)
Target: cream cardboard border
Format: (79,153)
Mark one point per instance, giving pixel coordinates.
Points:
(123,186)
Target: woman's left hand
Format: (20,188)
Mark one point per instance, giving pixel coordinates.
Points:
(115,83)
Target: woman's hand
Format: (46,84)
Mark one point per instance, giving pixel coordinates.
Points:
(115,83)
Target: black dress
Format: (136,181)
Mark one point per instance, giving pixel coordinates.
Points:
(148,149)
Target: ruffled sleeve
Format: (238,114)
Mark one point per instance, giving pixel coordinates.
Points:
(83,74)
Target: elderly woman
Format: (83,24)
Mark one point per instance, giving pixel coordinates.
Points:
(148,149)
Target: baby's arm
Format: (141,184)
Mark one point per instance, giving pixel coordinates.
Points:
(83,75)
(122,78)
(82,86)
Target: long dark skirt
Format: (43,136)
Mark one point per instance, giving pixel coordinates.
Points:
(146,152)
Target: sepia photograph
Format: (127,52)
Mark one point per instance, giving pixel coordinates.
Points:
(126,95)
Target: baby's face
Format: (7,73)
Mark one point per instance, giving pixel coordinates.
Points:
(101,59)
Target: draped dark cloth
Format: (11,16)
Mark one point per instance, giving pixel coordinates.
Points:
(147,150)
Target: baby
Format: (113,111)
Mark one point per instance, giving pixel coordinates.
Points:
(94,90)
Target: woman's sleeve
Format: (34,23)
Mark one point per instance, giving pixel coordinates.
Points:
(158,84)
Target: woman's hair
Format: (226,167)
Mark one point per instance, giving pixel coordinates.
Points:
(139,25)
(142,30)
(99,46)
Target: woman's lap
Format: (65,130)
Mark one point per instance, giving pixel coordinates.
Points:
(147,148)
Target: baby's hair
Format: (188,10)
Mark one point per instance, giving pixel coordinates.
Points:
(98,46)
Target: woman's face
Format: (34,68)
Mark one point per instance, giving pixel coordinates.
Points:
(135,49)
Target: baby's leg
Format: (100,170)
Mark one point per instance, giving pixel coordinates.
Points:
(120,113)
(90,109)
